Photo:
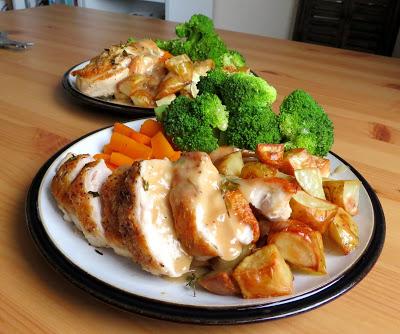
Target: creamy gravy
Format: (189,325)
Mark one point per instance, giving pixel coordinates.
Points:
(157,218)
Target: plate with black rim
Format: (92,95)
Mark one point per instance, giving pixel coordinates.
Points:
(119,282)
(69,85)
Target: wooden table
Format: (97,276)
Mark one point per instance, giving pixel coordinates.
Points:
(361,93)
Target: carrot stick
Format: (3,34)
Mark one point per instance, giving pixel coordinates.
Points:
(162,148)
(129,147)
(107,149)
(150,127)
(105,157)
(166,56)
(120,159)
(127,131)
(111,166)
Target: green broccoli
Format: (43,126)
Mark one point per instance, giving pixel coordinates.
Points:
(194,124)
(212,82)
(241,89)
(250,125)
(174,46)
(304,124)
(232,59)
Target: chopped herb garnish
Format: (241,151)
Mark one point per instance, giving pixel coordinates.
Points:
(145,184)
(98,252)
(72,158)
(107,50)
(191,282)
(125,53)
(94,193)
(130,40)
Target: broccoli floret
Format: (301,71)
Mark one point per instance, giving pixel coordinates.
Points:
(174,46)
(233,59)
(304,124)
(213,110)
(197,24)
(241,89)
(250,125)
(212,82)
(194,125)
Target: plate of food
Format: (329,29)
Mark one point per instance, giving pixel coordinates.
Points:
(133,78)
(218,212)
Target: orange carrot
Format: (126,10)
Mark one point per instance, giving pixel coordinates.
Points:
(120,159)
(107,149)
(111,166)
(166,56)
(150,127)
(176,156)
(127,131)
(129,147)
(162,148)
(105,157)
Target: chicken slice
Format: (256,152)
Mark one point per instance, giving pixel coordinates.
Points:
(100,77)
(269,195)
(202,222)
(146,221)
(109,196)
(66,172)
(85,199)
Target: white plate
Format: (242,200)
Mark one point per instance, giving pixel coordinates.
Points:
(128,278)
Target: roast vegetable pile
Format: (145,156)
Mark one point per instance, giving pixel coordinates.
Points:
(233,106)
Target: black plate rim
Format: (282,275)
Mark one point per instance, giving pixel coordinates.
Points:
(116,108)
(201,315)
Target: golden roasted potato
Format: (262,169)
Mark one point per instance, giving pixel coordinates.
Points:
(220,283)
(299,245)
(343,230)
(240,209)
(344,193)
(324,165)
(298,158)
(256,169)
(221,152)
(311,181)
(231,164)
(264,274)
(270,154)
(315,212)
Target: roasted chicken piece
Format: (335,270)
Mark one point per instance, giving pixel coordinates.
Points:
(146,222)
(100,76)
(202,221)
(85,201)
(66,172)
(271,196)
(109,196)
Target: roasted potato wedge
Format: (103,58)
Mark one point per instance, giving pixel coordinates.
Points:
(220,283)
(315,212)
(264,274)
(324,166)
(299,245)
(344,193)
(298,158)
(270,154)
(231,164)
(343,230)
(256,169)
(221,152)
(311,181)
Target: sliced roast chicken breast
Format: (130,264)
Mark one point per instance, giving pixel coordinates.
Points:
(84,193)
(202,221)
(146,222)
(67,171)
(271,196)
(109,196)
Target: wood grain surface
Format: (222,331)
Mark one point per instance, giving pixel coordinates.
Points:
(360,92)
